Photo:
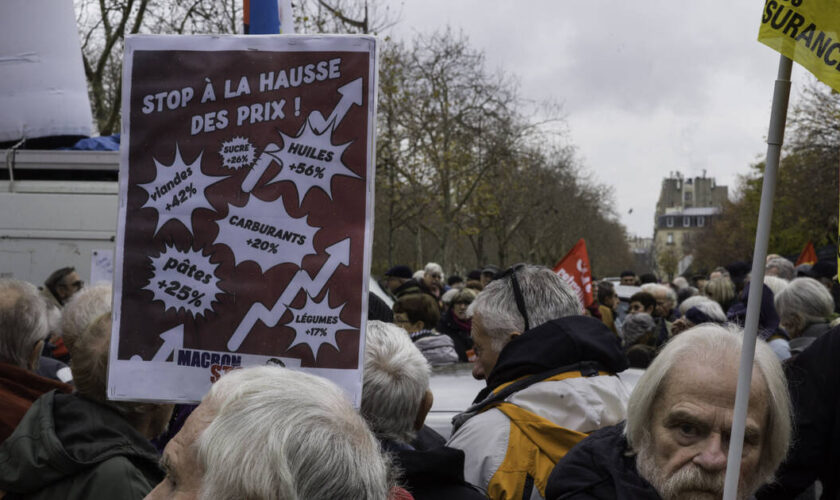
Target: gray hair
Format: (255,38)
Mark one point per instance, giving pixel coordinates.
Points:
(545,294)
(691,302)
(89,353)
(659,289)
(712,309)
(23,321)
(802,302)
(776,284)
(680,282)
(89,360)
(783,268)
(396,378)
(433,267)
(710,343)
(283,434)
(636,326)
(83,309)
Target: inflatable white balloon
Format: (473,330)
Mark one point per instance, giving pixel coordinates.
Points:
(43,91)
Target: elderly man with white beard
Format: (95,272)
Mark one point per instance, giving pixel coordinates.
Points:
(675,440)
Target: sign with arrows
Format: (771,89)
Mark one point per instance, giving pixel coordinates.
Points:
(246,183)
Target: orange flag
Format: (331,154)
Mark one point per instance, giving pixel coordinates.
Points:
(808,255)
(574,269)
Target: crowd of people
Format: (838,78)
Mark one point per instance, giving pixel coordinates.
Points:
(618,399)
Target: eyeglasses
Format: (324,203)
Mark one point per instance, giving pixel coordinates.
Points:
(517,292)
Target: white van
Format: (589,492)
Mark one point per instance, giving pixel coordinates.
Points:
(57,209)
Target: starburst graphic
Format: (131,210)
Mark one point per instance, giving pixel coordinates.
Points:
(317,323)
(178,190)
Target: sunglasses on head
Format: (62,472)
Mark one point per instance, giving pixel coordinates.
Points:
(517,292)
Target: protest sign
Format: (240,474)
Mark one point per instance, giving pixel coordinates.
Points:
(246,182)
(575,271)
(807,32)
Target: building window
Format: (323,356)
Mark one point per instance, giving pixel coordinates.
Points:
(701,221)
(670,238)
(686,221)
(669,221)
(688,196)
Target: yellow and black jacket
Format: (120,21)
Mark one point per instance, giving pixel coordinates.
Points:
(551,386)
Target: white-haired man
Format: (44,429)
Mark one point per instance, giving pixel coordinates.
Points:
(395,401)
(666,301)
(550,379)
(432,280)
(23,330)
(675,441)
(80,445)
(267,432)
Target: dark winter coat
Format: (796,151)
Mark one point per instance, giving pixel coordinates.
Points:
(433,474)
(599,467)
(814,381)
(461,339)
(68,447)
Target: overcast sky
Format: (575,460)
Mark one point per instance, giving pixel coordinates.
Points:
(647,87)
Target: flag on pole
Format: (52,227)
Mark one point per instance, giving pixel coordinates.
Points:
(808,255)
(268,17)
(574,269)
(805,31)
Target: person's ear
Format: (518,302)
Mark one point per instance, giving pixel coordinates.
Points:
(418,325)
(35,356)
(425,406)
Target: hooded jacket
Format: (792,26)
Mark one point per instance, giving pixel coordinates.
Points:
(550,386)
(69,447)
(599,468)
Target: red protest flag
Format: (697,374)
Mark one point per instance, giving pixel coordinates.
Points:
(574,269)
(808,255)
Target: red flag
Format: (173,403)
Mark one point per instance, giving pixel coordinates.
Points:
(808,255)
(574,269)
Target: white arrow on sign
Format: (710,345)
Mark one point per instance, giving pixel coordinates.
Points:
(339,253)
(172,339)
(351,94)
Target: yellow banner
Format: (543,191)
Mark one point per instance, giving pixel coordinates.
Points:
(807,31)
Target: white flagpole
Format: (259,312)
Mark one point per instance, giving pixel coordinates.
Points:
(775,138)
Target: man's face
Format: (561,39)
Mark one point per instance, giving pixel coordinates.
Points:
(485,356)
(68,286)
(180,460)
(628,280)
(686,454)
(663,305)
(433,279)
